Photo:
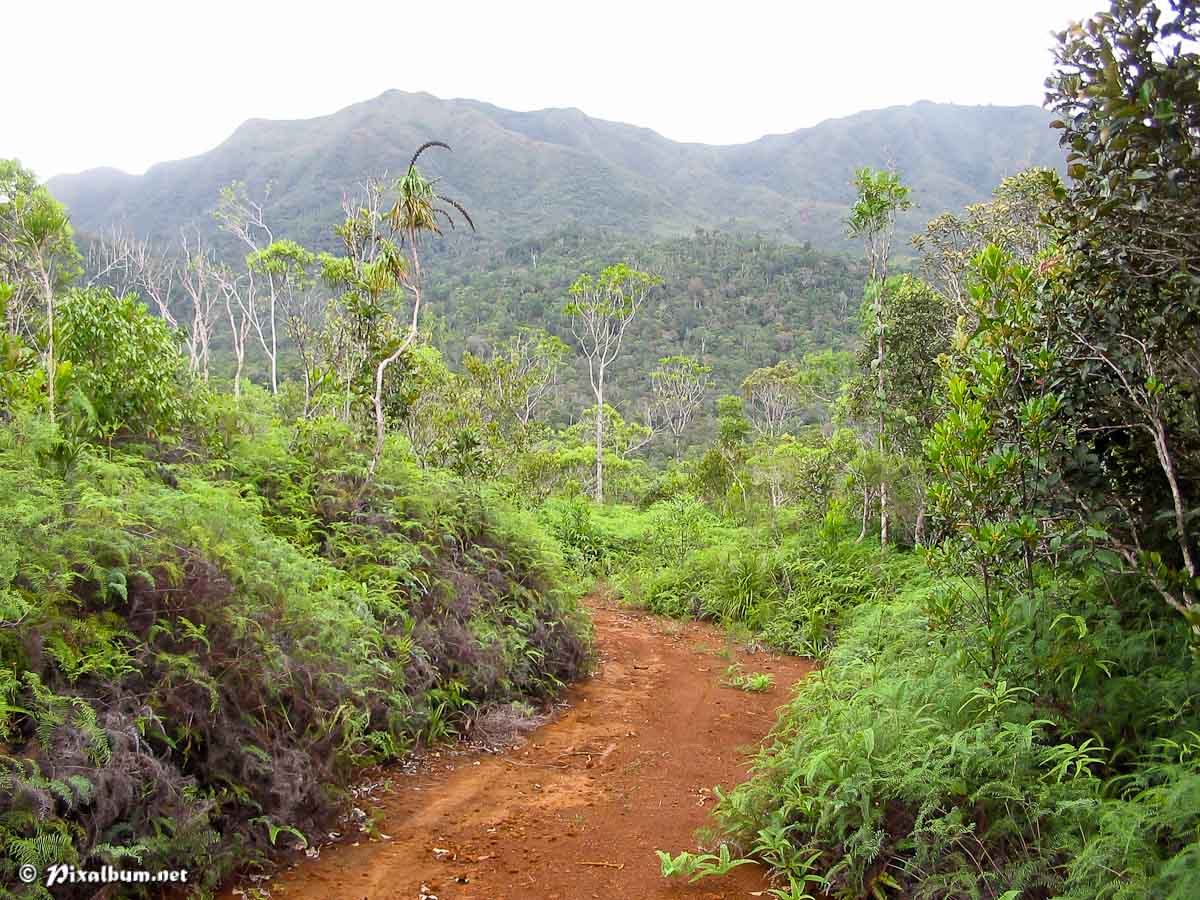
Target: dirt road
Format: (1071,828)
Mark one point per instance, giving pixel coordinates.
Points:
(578,810)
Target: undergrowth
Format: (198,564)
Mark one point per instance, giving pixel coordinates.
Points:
(897,770)
(214,637)
(677,558)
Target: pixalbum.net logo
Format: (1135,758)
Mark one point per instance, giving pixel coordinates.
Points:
(60,873)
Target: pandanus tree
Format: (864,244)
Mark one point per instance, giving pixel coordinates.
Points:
(417,212)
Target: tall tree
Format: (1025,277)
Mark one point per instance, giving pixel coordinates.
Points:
(16,269)
(775,396)
(881,195)
(680,384)
(915,332)
(35,233)
(199,282)
(234,288)
(288,268)
(245,219)
(601,308)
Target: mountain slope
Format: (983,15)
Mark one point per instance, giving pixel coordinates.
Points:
(527,173)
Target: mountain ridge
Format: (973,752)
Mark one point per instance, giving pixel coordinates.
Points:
(526,173)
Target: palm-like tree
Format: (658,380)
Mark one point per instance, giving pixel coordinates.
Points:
(416,213)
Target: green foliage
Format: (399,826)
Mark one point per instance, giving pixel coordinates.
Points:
(696,866)
(515,384)
(588,545)
(357,633)
(894,758)
(201,638)
(792,593)
(881,196)
(732,303)
(1011,721)
(1013,220)
(993,453)
(1126,317)
(36,246)
(915,326)
(124,361)
(753,682)
(416,211)
(614,294)
(796,473)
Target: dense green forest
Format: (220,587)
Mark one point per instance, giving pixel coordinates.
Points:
(733,303)
(964,475)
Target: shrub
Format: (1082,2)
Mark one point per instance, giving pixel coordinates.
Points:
(123,360)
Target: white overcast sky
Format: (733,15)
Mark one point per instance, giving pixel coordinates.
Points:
(129,84)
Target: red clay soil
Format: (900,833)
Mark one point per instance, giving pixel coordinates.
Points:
(578,810)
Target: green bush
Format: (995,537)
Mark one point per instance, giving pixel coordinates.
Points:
(123,360)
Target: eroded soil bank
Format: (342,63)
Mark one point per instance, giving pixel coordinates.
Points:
(578,810)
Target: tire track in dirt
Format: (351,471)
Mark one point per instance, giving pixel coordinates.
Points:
(578,810)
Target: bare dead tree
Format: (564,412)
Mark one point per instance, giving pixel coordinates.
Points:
(199,283)
(128,264)
(110,261)
(238,293)
(243,217)
(157,274)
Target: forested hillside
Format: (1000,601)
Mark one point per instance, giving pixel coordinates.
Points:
(733,303)
(529,174)
(276,521)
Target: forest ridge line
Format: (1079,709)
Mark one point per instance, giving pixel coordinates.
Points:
(562,167)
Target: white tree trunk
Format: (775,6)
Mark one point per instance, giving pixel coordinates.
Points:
(51,367)
(600,437)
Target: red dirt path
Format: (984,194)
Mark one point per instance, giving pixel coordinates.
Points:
(578,810)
